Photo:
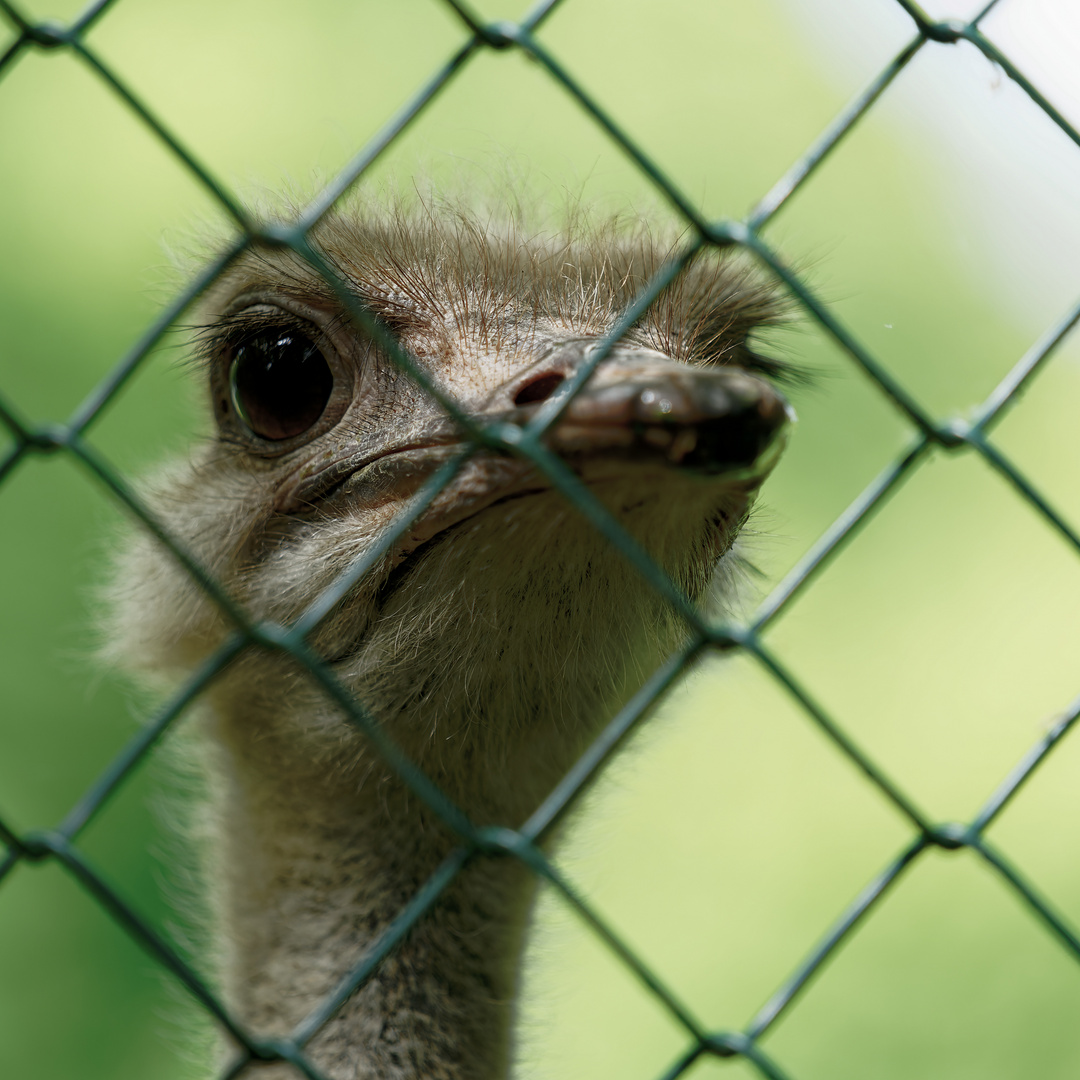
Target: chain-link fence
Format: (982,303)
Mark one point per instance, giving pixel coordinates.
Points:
(930,436)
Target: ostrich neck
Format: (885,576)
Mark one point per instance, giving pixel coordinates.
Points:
(314,868)
(492,682)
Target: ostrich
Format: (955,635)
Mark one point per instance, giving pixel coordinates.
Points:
(493,639)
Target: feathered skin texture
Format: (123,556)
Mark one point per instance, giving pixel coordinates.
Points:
(491,643)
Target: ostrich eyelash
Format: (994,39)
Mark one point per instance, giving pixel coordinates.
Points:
(214,339)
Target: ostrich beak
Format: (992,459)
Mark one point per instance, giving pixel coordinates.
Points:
(714,422)
(640,416)
(638,408)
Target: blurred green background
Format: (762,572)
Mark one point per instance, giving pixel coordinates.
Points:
(728,839)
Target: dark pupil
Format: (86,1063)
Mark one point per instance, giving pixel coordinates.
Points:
(280,383)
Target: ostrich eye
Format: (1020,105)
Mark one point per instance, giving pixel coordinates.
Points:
(280,383)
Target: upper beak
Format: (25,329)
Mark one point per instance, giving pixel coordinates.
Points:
(640,405)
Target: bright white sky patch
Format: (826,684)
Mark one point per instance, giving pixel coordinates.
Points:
(1010,174)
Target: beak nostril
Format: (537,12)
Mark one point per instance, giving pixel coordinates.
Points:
(540,389)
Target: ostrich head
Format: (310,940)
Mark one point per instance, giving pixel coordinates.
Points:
(490,639)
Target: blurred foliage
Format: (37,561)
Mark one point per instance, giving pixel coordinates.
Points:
(725,843)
